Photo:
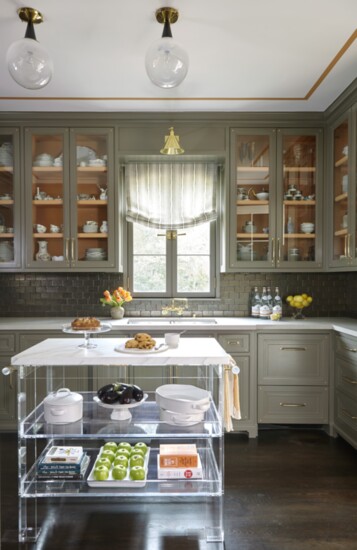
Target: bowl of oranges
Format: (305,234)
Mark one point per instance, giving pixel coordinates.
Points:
(298,303)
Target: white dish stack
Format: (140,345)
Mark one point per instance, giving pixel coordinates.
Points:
(96,254)
(6,158)
(181,404)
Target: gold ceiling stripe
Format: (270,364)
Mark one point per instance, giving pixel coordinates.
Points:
(318,82)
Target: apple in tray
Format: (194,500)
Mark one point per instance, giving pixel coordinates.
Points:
(137,473)
(101,473)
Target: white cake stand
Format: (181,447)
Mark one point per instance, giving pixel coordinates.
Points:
(87,344)
(120,412)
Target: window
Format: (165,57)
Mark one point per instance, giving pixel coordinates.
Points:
(171,215)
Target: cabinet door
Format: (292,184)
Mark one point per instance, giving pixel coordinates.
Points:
(46,188)
(343,196)
(10,252)
(8,392)
(252,194)
(299,213)
(92,240)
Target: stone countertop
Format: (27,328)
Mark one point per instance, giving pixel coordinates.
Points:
(149,324)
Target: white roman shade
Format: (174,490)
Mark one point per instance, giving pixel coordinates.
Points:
(171,195)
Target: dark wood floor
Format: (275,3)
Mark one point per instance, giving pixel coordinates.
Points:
(290,489)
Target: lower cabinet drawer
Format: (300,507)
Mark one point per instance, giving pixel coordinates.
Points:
(292,405)
(346,346)
(346,377)
(235,343)
(346,416)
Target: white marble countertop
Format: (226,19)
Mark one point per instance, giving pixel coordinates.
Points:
(149,324)
(65,351)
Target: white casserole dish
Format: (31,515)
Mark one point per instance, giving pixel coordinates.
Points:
(63,407)
(182,398)
(180,419)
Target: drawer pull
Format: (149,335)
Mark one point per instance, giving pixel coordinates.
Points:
(292,349)
(233,342)
(346,413)
(292,404)
(349,380)
(354,350)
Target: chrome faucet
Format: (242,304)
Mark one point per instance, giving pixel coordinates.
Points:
(177,306)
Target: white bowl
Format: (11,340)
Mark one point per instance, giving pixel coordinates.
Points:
(182,398)
(180,419)
(307,227)
(90,228)
(262,196)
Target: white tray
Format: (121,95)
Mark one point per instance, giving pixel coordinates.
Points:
(126,482)
(135,351)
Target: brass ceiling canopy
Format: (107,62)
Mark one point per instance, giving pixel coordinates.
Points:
(167,15)
(30,15)
(172,145)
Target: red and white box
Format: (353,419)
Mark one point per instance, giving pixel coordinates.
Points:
(179,473)
(178,456)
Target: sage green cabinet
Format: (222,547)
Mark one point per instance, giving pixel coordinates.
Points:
(293,378)
(345,410)
(241,347)
(276,199)
(342,227)
(10,200)
(70,199)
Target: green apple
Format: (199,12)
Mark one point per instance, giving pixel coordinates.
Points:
(123,451)
(119,472)
(137,473)
(136,460)
(124,445)
(108,454)
(142,446)
(103,461)
(111,445)
(101,473)
(137,452)
(121,459)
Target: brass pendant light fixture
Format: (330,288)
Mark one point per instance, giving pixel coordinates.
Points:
(172,145)
(166,62)
(28,62)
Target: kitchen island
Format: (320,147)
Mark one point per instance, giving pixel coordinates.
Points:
(61,362)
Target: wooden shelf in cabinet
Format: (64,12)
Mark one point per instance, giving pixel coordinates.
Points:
(92,202)
(250,202)
(299,203)
(341,232)
(299,169)
(6,169)
(253,236)
(51,202)
(48,235)
(342,197)
(92,235)
(6,202)
(47,174)
(299,235)
(6,235)
(252,169)
(91,169)
(340,162)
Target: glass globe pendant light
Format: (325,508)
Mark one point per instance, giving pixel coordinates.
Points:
(166,61)
(28,62)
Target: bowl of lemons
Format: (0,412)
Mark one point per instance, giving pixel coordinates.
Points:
(298,303)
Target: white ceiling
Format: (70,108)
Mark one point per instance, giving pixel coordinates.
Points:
(245,55)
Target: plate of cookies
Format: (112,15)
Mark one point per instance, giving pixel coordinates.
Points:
(141,343)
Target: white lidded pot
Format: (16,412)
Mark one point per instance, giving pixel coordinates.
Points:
(182,398)
(63,407)
(181,419)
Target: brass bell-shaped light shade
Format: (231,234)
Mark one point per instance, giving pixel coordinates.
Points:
(172,145)
(28,62)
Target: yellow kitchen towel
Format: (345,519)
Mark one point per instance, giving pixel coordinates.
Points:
(231,395)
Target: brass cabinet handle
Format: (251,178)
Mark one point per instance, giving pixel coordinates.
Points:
(66,249)
(279,251)
(345,247)
(236,342)
(354,350)
(283,348)
(72,249)
(347,413)
(349,246)
(273,251)
(349,380)
(292,404)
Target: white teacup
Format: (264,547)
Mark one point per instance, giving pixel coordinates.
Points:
(2,228)
(172,339)
(40,228)
(54,228)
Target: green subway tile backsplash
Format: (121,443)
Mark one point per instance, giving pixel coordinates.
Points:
(48,294)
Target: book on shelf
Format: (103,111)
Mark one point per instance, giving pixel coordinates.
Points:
(64,454)
(69,474)
(180,473)
(64,467)
(178,456)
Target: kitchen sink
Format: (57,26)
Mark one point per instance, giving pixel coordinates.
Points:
(172,321)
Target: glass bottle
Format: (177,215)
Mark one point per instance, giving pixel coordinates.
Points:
(290,226)
(270,300)
(256,303)
(277,304)
(264,312)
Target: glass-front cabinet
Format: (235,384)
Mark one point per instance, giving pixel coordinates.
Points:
(275,198)
(344,206)
(10,252)
(70,187)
